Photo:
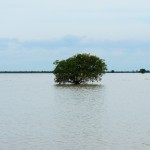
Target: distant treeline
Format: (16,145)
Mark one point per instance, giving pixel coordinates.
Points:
(112,71)
(137,71)
(126,72)
(26,71)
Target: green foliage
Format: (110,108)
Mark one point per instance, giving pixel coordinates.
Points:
(79,68)
(142,70)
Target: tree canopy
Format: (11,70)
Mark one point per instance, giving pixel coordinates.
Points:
(79,68)
(142,70)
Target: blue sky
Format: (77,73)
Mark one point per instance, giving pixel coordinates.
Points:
(34,33)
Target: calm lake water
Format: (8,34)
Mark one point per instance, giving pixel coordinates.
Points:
(36,114)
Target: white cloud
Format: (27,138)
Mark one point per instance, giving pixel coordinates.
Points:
(99,19)
(117,31)
(40,55)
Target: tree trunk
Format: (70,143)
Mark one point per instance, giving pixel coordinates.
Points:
(76,82)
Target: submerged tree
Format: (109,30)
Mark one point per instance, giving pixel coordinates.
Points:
(79,68)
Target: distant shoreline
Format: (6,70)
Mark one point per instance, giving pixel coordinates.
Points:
(26,71)
(52,72)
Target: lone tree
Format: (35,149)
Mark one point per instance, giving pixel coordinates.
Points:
(79,68)
(142,71)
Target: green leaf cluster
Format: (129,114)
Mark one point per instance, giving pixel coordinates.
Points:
(142,71)
(79,68)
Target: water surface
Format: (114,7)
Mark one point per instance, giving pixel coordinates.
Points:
(39,115)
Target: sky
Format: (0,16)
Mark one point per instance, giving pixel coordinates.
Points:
(35,33)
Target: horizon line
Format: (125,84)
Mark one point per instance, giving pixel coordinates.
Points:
(112,71)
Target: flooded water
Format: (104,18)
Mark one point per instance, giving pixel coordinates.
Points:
(36,114)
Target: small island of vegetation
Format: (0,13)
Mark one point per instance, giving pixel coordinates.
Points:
(80,68)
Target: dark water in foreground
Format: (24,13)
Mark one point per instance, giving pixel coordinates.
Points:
(36,114)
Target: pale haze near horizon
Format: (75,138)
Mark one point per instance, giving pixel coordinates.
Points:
(35,33)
